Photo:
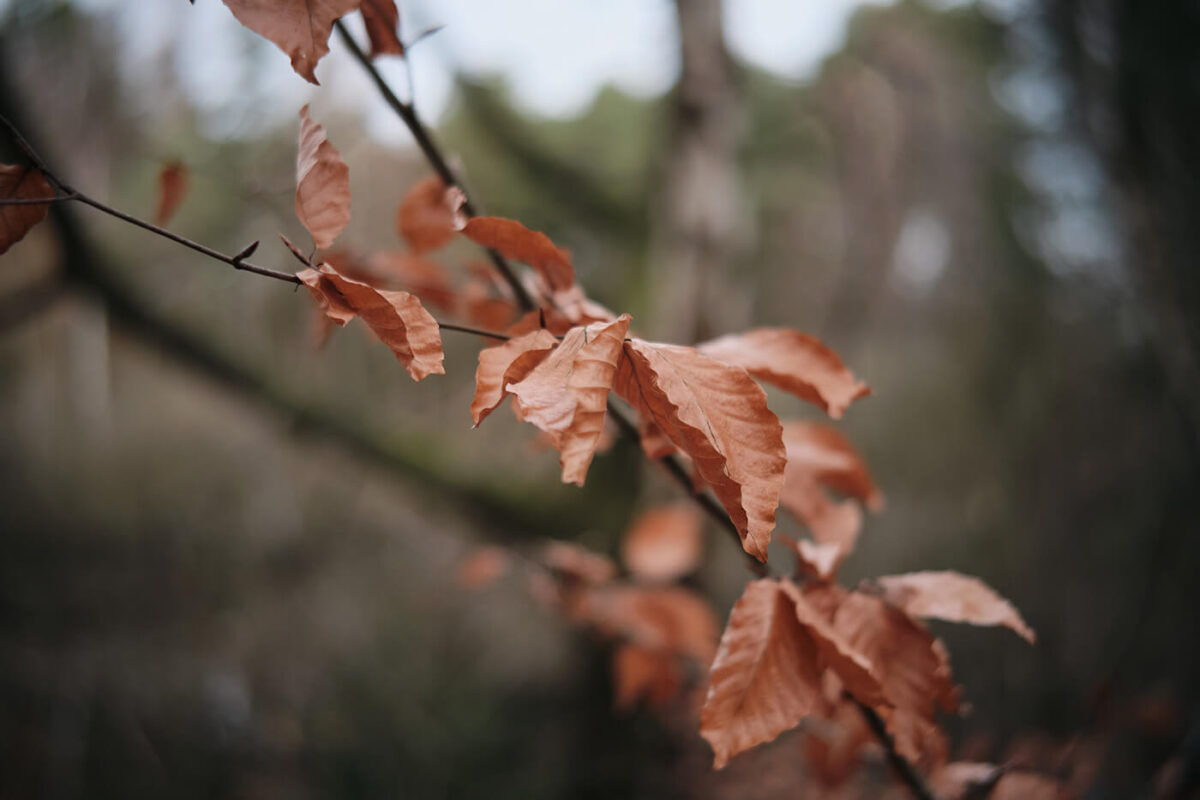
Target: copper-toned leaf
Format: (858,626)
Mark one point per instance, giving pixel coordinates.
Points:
(483,567)
(913,671)
(833,751)
(21,183)
(566,395)
(1027,786)
(793,361)
(549,319)
(397,318)
(644,675)
(577,563)
(857,674)
(480,307)
(669,618)
(664,542)
(577,307)
(513,240)
(322,184)
(819,457)
(959,780)
(424,219)
(815,560)
(506,363)
(300,28)
(717,415)
(382,20)
(766,676)
(953,597)
(420,276)
(172,188)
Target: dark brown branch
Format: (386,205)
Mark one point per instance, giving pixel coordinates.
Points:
(434,156)
(905,771)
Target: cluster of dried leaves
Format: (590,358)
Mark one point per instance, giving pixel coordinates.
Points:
(793,648)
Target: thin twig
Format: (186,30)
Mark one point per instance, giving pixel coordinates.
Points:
(434,156)
(36,201)
(904,769)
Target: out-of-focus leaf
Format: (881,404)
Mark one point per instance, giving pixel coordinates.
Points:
(322,184)
(664,543)
(793,361)
(382,20)
(172,188)
(300,28)
(23,183)
(953,597)
(424,219)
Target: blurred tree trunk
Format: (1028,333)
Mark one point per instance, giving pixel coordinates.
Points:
(702,228)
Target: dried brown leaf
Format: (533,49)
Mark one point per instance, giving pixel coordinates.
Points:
(576,562)
(300,28)
(766,676)
(382,20)
(420,276)
(322,184)
(644,675)
(483,567)
(397,318)
(717,415)
(953,597)
(793,361)
(664,543)
(566,395)
(23,183)
(513,240)
(172,188)
(506,363)
(424,219)
(669,619)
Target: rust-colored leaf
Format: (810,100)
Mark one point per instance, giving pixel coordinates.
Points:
(566,395)
(1028,786)
(953,597)
(300,28)
(382,20)
(644,675)
(420,276)
(424,219)
(664,543)
(21,183)
(576,306)
(322,184)
(577,563)
(506,363)
(513,240)
(397,318)
(483,567)
(833,751)
(793,361)
(820,458)
(668,618)
(717,415)
(914,671)
(766,675)
(172,188)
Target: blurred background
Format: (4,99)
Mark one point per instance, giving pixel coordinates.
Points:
(227,558)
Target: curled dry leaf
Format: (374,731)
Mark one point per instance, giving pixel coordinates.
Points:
(420,276)
(664,543)
(506,363)
(424,219)
(397,318)
(914,672)
(644,675)
(716,414)
(953,597)
(300,28)
(793,361)
(483,567)
(766,676)
(322,184)
(382,20)
(24,183)
(566,395)
(513,240)
(172,188)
